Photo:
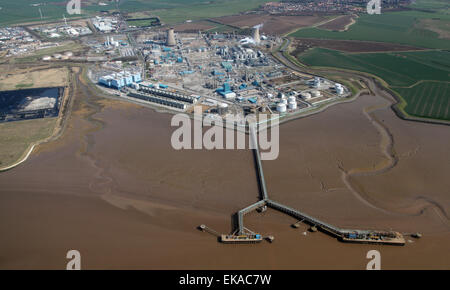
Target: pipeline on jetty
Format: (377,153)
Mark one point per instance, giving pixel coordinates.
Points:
(244,235)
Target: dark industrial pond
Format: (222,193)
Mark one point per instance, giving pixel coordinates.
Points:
(30,104)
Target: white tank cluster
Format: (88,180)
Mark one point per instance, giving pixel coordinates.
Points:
(281,108)
(111,42)
(339,88)
(315,94)
(306,96)
(316,82)
(292,103)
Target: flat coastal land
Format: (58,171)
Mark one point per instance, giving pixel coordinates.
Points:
(113,188)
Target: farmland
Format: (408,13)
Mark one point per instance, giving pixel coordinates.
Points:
(272,24)
(21,11)
(302,44)
(421,78)
(397,69)
(195,26)
(427,99)
(200,10)
(396,27)
(339,23)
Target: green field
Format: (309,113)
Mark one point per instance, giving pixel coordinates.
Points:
(141,22)
(399,69)
(428,99)
(441,6)
(396,27)
(170,11)
(403,71)
(210,9)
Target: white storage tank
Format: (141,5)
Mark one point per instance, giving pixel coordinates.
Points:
(222,108)
(292,99)
(284,101)
(315,94)
(316,82)
(306,96)
(293,105)
(281,108)
(339,89)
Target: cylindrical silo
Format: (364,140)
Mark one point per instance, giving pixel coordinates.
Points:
(281,108)
(293,105)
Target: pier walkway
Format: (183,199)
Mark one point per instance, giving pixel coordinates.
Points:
(273,204)
(347,235)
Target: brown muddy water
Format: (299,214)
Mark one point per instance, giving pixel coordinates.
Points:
(113,188)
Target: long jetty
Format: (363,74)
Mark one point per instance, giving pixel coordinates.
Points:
(362,236)
(273,204)
(255,145)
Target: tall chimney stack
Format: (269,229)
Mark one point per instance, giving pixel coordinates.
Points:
(256,36)
(171,37)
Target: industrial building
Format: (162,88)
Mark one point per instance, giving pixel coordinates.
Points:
(226,92)
(188,67)
(158,100)
(162,96)
(120,80)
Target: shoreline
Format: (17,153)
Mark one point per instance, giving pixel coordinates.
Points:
(61,122)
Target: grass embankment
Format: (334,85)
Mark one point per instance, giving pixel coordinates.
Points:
(16,138)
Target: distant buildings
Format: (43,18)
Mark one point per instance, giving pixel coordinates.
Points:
(105,24)
(299,7)
(17,41)
(60,30)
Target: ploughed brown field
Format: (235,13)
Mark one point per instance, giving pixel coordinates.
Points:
(113,188)
(339,23)
(273,25)
(301,44)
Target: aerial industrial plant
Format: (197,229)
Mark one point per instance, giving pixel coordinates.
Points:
(158,134)
(215,70)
